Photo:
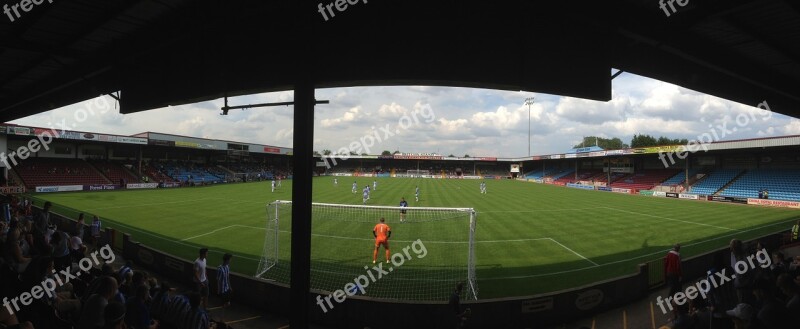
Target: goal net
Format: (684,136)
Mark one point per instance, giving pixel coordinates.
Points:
(431,250)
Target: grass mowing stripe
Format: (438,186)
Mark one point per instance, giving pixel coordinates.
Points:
(513,217)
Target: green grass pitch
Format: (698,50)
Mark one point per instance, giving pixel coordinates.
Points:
(531,238)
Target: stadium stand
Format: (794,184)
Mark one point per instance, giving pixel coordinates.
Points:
(563,173)
(782,184)
(643,180)
(58,171)
(714,181)
(156,174)
(114,172)
(192,173)
(539,174)
(680,177)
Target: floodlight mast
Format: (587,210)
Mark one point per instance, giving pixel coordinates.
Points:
(529,102)
(226,108)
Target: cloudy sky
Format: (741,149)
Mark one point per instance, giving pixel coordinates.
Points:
(478,122)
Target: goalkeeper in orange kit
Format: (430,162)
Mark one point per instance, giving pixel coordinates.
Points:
(382,232)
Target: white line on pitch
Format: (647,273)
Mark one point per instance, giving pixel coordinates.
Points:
(149,204)
(672,219)
(573,251)
(637,257)
(207,233)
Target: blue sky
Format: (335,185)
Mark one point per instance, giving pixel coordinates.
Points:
(478,122)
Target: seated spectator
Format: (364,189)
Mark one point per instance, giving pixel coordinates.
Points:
(125,269)
(742,316)
(771,314)
(138,312)
(93,310)
(161,301)
(126,285)
(9,321)
(177,310)
(779,264)
(13,253)
(77,248)
(792,292)
(196,318)
(114,316)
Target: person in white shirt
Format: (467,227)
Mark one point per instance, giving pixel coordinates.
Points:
(200,279)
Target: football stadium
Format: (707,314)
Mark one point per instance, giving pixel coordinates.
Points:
(152,180)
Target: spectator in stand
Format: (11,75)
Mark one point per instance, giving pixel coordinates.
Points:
(196,318)
(126,284)
(114,316)
(742,282)
(92,313)
(223,280)
(771,314)
(125,269)
(42,220)
(779,264)
(13,253)
(161,301)
(792,292)
(138,315)
(61,250)
(200,278)
(742,316)
(80,225)
(95,230)
(9,320)
(77,248)
(672,269)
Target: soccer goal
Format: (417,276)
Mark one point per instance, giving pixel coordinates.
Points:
(431,250)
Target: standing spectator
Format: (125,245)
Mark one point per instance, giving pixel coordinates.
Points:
(95,230)
(223,280)
(200,278)
(61,250)
(742,282)
(79,226)
(459,318)
(42,220)
(672,269)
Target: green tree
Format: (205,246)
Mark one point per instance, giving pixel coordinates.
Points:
(466,155)
(326,152)
(386,152)
(353,153)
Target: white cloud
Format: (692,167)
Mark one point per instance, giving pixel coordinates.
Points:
(475,121)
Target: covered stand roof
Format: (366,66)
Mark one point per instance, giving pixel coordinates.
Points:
(160,53)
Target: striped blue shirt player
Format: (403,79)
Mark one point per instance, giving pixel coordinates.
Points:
(223,280)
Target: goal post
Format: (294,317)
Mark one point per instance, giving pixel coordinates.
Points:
(431,250)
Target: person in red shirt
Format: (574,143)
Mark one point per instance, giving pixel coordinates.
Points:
(382,232)
(672,269)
